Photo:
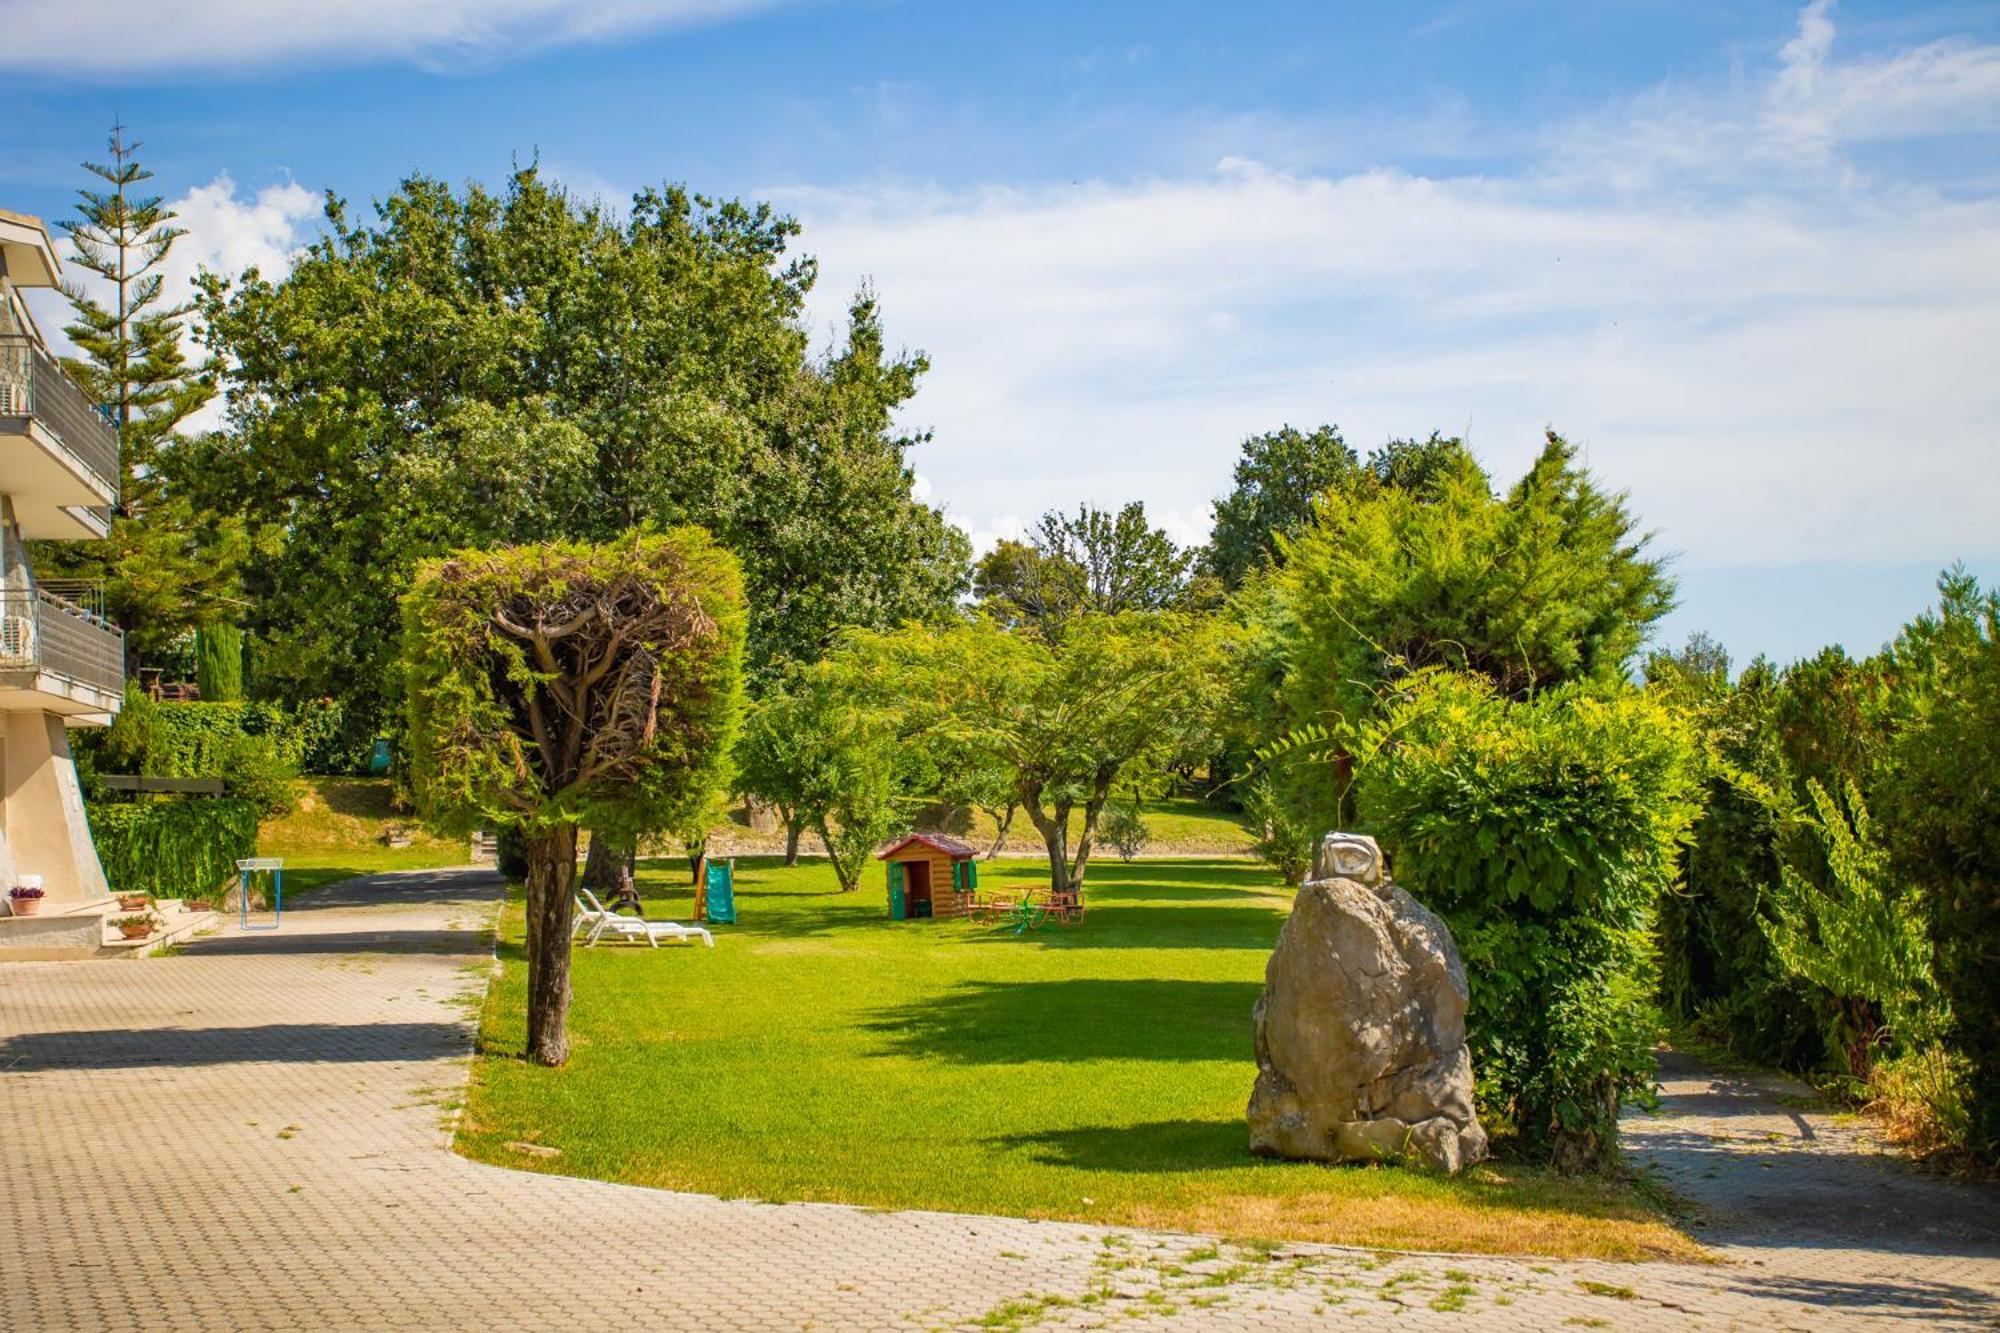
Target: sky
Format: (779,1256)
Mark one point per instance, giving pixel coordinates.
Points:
(1745,255)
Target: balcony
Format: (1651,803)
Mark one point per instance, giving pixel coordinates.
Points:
(58,654)
(58,455)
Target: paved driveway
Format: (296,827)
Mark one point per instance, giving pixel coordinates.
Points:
(252,1135)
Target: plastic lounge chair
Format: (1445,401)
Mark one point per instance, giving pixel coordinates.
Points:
(598,922)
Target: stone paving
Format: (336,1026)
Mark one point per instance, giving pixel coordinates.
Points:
(254,1135)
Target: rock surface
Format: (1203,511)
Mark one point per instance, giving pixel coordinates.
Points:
(1361,1027)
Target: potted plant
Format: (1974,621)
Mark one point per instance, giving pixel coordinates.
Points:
(134,927)
(25,898)
(134,902)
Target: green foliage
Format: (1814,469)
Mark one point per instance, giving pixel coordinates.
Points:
(219,663)
(185,848)
(1718,969)
(1105,703)
(1090,563)
(1279,477)
(1125,829)
(1546,585)
(477,368)
(825,755)
(1940,803)
(566,684)
(1282,841)
(1855,936)
(1544,832)
(255,748)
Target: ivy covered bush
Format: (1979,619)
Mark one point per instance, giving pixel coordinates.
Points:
(1544,831)
(173,848)
(259,749)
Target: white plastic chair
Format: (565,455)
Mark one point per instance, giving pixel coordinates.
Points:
(591,916)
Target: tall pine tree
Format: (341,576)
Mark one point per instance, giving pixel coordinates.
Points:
(166,568)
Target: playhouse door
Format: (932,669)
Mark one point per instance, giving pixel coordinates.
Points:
(918,892)
(896,891)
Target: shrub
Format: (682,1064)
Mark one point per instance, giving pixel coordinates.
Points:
(1283,840)
(218,663)
(1544,832)
(254,747)
(1940,804)
(173,848)
(1125,829)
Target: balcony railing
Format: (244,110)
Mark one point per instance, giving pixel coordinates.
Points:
(40,631)
(32,384)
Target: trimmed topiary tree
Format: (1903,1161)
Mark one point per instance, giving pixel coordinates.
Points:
(560,685)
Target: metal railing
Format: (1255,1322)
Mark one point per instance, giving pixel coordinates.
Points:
(32,384)
(40,631)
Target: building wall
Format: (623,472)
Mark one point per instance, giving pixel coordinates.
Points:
(43,829)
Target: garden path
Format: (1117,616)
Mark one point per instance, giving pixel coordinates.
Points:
(255,1134)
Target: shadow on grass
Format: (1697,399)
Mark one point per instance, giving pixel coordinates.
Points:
(1018,1022)
(1110,924)
(1157,1147)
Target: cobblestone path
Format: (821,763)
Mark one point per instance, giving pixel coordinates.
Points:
(254,1135)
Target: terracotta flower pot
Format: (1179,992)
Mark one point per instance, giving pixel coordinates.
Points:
(133,902)
(25,906)
(138,932)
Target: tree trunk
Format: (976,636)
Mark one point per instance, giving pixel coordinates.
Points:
(697,853)
(1005,821)
(551,914)
(848,884)
(1055,838)
(793,828)
(1092,808)
(602,865)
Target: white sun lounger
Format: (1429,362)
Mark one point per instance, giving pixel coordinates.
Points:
(595,923)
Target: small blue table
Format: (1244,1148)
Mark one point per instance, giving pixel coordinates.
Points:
(276,867)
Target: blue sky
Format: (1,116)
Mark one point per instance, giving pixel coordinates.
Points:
(1747,255)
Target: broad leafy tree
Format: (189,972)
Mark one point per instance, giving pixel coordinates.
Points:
(1068,719)
(1279,476)
(559,685)
(475,367)
(1092,562)
(824,755)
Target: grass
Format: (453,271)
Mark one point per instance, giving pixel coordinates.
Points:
(338,831)
(1096,1073)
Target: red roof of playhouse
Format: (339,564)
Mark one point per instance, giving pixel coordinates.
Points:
(937,842)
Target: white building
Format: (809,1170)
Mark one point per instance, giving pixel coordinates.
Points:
(62,664)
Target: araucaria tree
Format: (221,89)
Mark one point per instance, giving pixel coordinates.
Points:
(167,566)
(560,685)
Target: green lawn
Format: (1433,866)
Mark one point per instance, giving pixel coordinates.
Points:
(337,831)
(1099,1072)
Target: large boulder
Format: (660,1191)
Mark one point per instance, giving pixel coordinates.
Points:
(1361,1027)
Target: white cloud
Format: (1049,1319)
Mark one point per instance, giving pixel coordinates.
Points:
(1782,364)
(117,38)
(227,232)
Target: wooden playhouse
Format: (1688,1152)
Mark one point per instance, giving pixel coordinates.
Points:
(930,875)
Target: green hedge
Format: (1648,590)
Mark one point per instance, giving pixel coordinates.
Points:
(173,848)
